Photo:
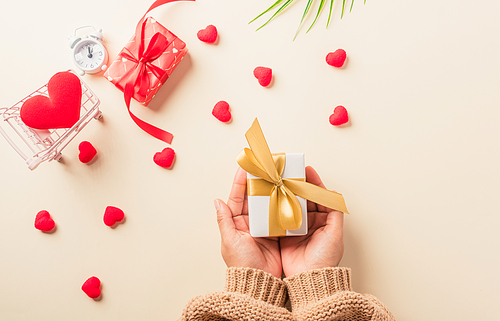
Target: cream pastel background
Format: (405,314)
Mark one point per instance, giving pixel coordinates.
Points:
(418,164)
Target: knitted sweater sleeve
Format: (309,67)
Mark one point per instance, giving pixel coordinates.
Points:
(326,294)
(249,294)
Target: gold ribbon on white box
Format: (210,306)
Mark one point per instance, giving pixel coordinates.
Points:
(285,212)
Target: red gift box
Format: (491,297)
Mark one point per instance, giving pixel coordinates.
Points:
(123,69)
(145,63)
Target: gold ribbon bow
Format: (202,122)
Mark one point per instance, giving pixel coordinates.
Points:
(259,162)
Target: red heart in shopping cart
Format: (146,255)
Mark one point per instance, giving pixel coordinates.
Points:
(60,109)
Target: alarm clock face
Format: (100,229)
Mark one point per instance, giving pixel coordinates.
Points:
(90,55)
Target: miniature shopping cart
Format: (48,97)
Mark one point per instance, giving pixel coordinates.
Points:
(35,145)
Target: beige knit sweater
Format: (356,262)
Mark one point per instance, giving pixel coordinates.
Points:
(316,295)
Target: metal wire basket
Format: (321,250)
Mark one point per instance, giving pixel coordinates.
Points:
(36,146)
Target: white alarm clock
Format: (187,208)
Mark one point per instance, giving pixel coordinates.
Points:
(89,54)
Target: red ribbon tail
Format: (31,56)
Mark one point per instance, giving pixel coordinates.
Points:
(158,3)
(147,127)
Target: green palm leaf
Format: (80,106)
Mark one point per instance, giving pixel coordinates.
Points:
(283,7)
(306,11)
(285,3)
(330,14)
(320,8)
(268,9)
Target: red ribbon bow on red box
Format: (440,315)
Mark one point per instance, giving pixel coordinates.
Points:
(155,48)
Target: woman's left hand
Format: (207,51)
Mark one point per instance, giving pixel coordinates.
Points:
(238,247)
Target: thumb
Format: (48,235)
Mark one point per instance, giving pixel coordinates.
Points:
(335,224)
(224,219)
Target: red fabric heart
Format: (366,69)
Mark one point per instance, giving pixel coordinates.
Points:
(91,287)
(336,58)
(221,111)
(113,215)
(208,35)
(165,158)
(44,222)
(339,116)
(87,152)
(61,109)
(264,75)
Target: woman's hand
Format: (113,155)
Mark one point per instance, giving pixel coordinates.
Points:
(323,246)
(238,247)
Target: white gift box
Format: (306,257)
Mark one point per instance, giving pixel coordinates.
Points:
(258,206)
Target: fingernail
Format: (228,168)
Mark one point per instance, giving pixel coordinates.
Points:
(217,205)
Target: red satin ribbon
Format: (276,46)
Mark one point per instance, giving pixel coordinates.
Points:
(143,60)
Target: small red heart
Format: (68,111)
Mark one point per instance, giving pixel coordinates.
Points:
(113,215)
(91,287)
(61,109)
(264,75)
(339,116)
(221,111)
(336,58)
(44,222)
(208,35)
(87,152)
(165,158)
